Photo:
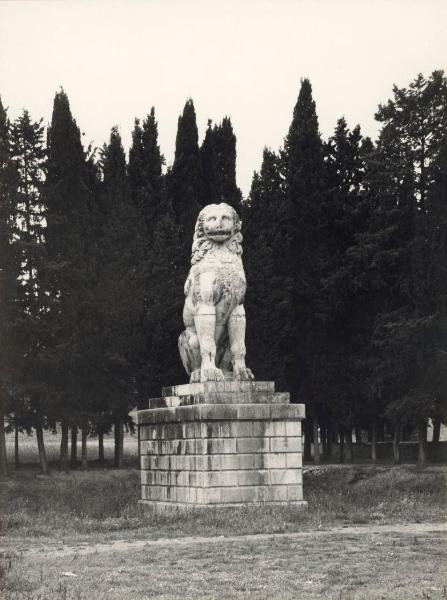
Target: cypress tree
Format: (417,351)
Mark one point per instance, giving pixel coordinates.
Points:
(69,268)
(305,236)
(9,271)
(28,155)
(120,290)
(218,152)
(348,322)
(263,218)
(186,185)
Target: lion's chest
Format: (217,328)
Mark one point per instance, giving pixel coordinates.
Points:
(225,273)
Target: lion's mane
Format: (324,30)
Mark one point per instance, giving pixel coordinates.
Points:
(201,244)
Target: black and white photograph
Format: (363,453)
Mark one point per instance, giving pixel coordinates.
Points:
(223,299)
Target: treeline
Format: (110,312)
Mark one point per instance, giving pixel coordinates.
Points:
(345,254)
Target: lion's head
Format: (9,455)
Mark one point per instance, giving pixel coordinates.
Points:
(217,224)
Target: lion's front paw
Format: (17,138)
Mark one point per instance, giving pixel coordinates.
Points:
(195,376)
(211,374)
(243,374)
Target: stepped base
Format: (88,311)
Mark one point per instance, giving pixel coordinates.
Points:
(229,443)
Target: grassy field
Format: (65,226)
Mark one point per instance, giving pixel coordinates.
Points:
(344,552)
(28,448)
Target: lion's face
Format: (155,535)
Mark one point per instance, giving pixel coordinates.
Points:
(218,222)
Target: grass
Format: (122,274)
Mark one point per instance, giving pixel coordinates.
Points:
(329,566)
(105,503)
(43,514)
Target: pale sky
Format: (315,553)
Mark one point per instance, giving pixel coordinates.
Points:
(239,58)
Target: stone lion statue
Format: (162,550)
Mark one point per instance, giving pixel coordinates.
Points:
(212,347)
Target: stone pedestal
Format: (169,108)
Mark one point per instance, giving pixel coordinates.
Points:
(228,443)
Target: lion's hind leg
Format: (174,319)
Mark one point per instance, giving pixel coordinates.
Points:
(189,348)
(236,332)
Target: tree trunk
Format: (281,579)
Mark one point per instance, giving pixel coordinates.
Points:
(422,445)
(16,447)
(74,447)
(307,454)
(374,440)
(84,461)
(349,449)
(101,447)
(396,441)
(323,435)
(122,441)
(64,447)
(436,430)
(139,445)
(358,435)
(316,442)
(41,448)
(330,442)
(342,447)
(118,434)
(3,455)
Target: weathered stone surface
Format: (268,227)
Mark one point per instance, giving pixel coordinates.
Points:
(221,454)
(222,412)
(247,397)
(213,342)
(192,389)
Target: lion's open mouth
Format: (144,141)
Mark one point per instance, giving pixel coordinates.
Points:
(219,235)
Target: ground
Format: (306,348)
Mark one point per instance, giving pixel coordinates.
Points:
(370,532)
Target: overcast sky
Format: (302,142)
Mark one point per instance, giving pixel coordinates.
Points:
(242,58)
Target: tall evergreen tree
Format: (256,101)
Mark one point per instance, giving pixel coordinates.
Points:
(28,155)
(9,272)
(395,251)
(186,184)
(119,291)
(348,320)
(305,234)
(69,268)
(263,260)
(218,152)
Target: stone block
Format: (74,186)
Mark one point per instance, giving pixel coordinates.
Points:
(275,428)
(294,492)
(294,460)
(287,411)
(252,444)
(219,446)
(293,428)
(253,412)
(279,493)
(258,428)
(217,429)
(213,462)
(217,412)
(241,429)
(285,444)
(253,477)
(237,495)
(264,493)
(212,495)
(284,476)
(275,460)
(230,461)
(220,478)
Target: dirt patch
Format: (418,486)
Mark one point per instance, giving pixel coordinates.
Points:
(125,545)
